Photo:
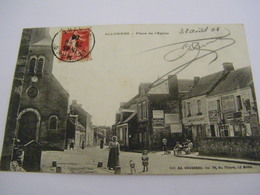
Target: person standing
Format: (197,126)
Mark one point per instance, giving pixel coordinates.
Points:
(145,160)
(83,145)
(164,143)
(72,144)
(132,166)
(114,150)
(101,144)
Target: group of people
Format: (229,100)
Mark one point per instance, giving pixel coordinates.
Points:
(113,157)
(114,151)
(186,147)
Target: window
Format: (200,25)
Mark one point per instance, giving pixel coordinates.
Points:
(53,123)
(218,105)
(121,134)
(40,66)
(140,111)
(247,104)
(140,138)
(199,107)
(239,103)
(188,109)
(224,131)
(144,110)
(32,65)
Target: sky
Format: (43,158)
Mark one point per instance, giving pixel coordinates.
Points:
(145,53)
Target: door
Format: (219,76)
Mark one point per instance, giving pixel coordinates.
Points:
(212,128)
(27,127)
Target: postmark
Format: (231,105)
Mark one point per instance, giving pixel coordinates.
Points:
(73,45)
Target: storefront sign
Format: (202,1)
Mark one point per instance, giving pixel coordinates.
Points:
(228,116)
(196,120)
(213,116)
(228,103)
(212,105)
(176,128)
(171,118)
(158,114)
(158,122)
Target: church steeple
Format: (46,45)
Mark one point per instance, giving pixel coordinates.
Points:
(40,59)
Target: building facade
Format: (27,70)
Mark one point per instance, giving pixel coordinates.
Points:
(194,104)
(232,106)
(220,114)
(84,119)
(155,114)
(40,100)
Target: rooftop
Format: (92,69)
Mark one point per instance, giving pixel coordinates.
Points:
(236,79)
(205,84)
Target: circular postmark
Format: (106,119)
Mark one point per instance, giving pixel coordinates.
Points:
(73,45)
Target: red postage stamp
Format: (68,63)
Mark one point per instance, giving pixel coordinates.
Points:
(75,45)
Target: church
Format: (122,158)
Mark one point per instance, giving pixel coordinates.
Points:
(39,103)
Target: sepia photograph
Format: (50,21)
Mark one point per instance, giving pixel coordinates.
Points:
(143,99)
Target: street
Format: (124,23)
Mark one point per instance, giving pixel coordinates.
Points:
(85,162)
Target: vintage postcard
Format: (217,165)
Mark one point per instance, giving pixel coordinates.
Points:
(133,100)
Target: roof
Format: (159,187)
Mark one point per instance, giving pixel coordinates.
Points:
(185,84)
(46,41)
(41,37)
(33,142)
(162,88)
(130,102)
(205,84)
(58,86)
(236,79)
(130,117)
(73,122)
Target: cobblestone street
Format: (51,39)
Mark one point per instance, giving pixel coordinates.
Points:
(85,162)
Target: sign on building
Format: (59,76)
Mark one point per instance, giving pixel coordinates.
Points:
(213,116)
(228,103)
(212,105)
(171,119)
(176,128)
(158,114)
(158,122)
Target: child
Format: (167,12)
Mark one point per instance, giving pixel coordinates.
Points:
(132,166)
(145,160)
(177,149)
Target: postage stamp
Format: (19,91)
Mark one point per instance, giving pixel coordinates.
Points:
(73,44)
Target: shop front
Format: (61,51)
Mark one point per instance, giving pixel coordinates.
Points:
(196,127)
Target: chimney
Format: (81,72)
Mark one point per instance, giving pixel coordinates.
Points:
(173,86)
(118,116)
(228,66)
(196,80)
(74,102)
(143,88)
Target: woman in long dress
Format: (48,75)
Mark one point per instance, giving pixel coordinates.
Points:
(114,150)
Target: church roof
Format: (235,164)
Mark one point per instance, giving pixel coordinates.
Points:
(41,37)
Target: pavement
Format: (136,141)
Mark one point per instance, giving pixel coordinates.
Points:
(196,155)
(86,162)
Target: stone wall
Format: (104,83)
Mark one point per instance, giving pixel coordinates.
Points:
(233,147)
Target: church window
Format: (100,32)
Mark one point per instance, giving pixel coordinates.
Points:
(32,65)
(53,122)
(40,65)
